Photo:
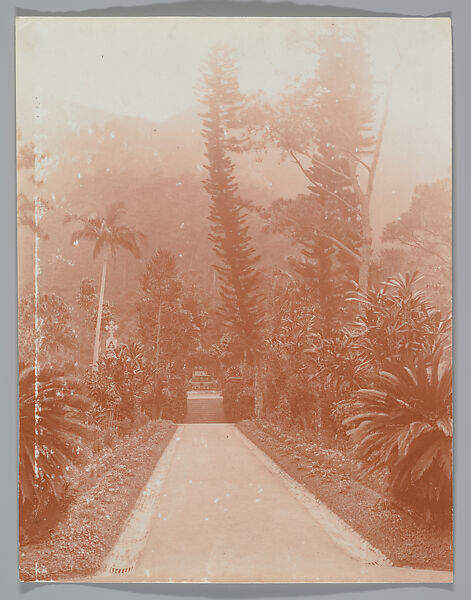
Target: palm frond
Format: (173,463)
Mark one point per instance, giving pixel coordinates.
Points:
(52,424)
(404,423)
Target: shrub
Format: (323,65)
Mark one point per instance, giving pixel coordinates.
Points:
(47,320)
(230,391)
(117,384)
(245,401)
(175,392)
(52,433)
(404,422)
(397,322)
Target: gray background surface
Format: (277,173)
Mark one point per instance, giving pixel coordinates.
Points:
(460,13)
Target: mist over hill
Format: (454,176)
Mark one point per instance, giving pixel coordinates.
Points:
(157,169)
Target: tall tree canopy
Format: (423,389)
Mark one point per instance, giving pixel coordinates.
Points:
(169,322)
(426,225)
(324,126)
(420,238)
(239,279)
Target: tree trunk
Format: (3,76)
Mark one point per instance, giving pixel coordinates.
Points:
(258,395)
(367,238)
(159,321)
(258,391)
(100,311)
(366,243)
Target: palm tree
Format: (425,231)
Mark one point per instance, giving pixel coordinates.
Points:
(51,428)
(404,422)
(109,235)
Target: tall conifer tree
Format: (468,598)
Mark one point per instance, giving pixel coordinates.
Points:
(341,121)
(239,279)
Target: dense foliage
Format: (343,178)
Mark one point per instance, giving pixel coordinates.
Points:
(403,422)
(324,334)
(46,332)
(379,389)
(53,433)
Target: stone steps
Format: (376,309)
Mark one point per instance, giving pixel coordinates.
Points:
(205,410)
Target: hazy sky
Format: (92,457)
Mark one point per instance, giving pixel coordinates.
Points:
(149,67)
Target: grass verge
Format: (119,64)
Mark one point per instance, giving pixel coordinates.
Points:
(104,497)
(402,537)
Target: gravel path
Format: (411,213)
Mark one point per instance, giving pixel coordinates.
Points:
(224,512)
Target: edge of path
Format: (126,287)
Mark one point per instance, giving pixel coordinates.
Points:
(403,540)
(93,522)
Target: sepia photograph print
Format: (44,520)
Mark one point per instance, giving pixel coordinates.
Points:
(234,299)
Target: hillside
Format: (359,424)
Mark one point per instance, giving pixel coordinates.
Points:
(156,170)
